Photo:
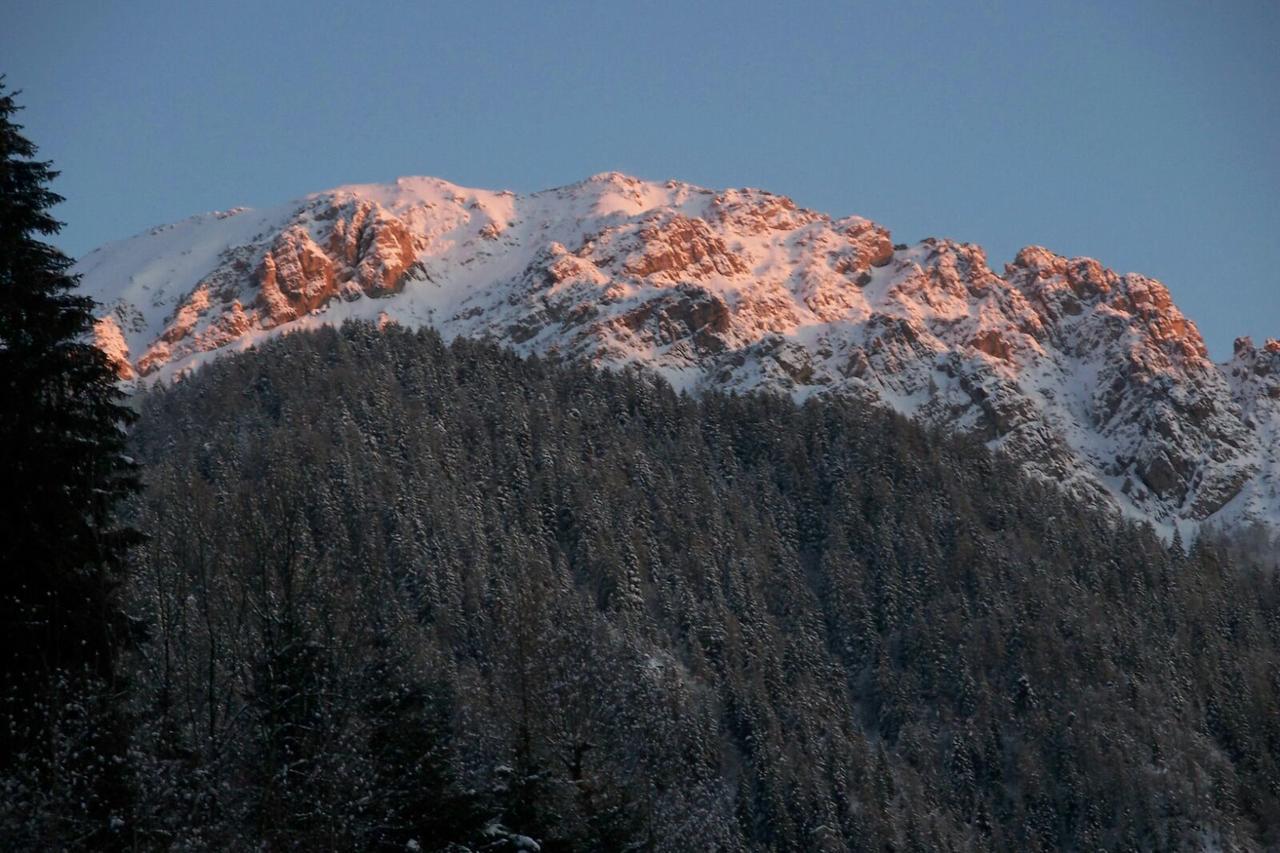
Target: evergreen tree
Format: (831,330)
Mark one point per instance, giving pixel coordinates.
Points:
(61,460)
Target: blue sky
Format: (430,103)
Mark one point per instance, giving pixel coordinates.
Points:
(1146,134)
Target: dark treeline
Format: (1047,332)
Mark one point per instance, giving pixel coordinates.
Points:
(64,472)
(399,594)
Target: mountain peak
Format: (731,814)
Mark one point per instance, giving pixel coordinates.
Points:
(614,178)
(1094,378)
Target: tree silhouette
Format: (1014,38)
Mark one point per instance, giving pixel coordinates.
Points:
(64,470)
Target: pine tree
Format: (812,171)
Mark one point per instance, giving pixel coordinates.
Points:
(61,459)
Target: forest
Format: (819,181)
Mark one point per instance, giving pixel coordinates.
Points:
(394,593)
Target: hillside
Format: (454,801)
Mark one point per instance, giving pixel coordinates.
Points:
(399,590)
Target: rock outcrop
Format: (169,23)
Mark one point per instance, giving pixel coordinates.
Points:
(330,248)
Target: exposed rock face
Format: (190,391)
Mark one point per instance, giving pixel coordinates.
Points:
(108,338)
(332,247)
(1156,397)
(367,251)
(1254,377)
(1093,378)
(676,248)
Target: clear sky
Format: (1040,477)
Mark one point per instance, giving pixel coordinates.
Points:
(1146,134)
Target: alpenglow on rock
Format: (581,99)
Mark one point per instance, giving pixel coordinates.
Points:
(1096,380)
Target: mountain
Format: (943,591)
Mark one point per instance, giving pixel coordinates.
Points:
(1093,379)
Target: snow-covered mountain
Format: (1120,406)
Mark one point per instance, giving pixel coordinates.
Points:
(1095,379)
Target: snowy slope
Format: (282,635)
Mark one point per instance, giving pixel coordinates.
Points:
(1095,379)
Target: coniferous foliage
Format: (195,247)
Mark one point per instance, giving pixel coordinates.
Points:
(64,471)
(408,594)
